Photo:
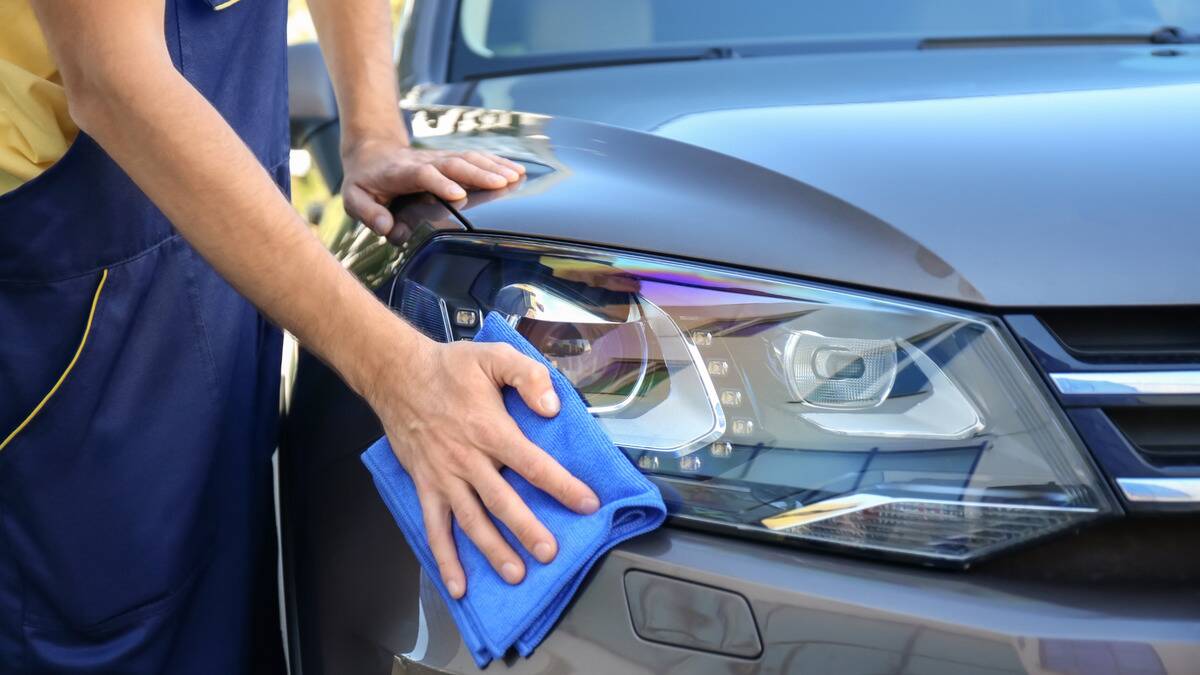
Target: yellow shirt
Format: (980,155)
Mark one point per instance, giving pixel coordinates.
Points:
(35,129)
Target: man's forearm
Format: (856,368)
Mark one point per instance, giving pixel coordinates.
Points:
(214,191)
(356,42)
(226,206)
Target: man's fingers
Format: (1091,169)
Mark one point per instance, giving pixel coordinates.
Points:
(532,381)
(515,166)
(528,377)
(503,501)
(540,469)
(364,208)
(491,163)
(479,528)
(432,180)
(441,542)
(467,173)
(502,161)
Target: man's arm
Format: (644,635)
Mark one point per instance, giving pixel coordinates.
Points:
(124,91)
(356,41)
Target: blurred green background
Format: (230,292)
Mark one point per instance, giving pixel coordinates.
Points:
(310,193)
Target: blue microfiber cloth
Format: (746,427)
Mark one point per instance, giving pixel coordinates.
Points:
(494,615)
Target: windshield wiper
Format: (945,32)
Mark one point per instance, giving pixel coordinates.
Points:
(551,63)
(1167,35)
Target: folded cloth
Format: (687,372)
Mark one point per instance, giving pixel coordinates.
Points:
(494,615)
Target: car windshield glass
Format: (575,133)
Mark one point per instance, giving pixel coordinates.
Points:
(511,35)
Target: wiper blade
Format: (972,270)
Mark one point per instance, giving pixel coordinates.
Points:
(527,66)
(1167,35)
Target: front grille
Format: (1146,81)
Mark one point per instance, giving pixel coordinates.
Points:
(1128,380)
(1124,334)
(1162,436)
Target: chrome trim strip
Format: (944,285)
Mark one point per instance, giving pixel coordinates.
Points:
(446,319)
(1161,490)
(1179,382)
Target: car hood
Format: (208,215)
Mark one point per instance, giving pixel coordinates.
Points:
(1015,178)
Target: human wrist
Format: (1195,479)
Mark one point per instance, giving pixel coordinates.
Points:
(392,349)
(374,129)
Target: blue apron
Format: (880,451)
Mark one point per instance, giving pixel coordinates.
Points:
(138,401)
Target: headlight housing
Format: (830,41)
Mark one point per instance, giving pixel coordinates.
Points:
(779,408)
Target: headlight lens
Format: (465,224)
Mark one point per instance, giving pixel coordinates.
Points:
(783,408)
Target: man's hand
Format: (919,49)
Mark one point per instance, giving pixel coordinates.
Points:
(377,170)
(447,424)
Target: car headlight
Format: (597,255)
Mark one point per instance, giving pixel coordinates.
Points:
(782,408)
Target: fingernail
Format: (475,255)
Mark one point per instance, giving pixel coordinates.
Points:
(510,174)
(510,572)
(589,504)
(454,587)
(550,403)
(543,551)
(381,224)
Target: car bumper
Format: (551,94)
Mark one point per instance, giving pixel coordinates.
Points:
(815,613)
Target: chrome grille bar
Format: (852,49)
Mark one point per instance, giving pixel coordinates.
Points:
(1154,382)
(1161,490)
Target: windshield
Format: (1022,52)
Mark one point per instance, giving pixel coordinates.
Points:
(511,35)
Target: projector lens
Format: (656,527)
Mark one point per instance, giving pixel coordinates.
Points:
(839,372)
